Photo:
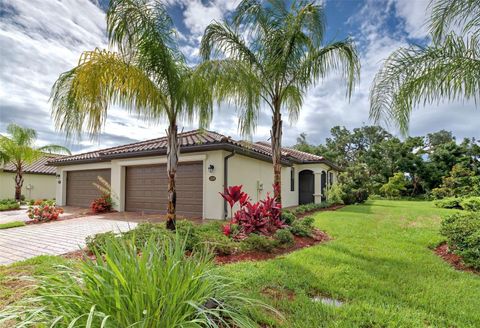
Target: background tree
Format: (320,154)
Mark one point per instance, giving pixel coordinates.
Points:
(447,69)
(19,149)
(270,53)
(148,76)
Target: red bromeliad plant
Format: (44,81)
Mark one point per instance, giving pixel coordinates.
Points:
(262,217)
(101,205)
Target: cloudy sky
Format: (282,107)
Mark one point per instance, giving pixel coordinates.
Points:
(39,39)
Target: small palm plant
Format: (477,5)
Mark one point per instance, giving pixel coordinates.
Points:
(447,69)
(19,149)
(270,53)
(147,75)
(157,286)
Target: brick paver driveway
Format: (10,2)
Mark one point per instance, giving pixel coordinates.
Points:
(53,238)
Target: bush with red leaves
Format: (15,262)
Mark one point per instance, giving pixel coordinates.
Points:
(44,212)
(263,217)
(101,205)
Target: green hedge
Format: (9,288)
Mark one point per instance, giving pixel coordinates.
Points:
(466,203)
(8,205)
(462,231)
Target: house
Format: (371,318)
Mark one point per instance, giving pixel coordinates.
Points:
(208,162)
(39,179)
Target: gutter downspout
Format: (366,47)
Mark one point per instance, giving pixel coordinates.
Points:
(225,181)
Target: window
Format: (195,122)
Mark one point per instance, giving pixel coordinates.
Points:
(292,179)
(330,178)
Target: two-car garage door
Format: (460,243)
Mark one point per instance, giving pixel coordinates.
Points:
(146,188)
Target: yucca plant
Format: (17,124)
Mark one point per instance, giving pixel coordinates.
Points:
(158,286)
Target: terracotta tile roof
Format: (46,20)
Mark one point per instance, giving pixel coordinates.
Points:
(37,167)
(190,141)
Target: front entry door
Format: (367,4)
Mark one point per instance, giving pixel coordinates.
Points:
(306,187)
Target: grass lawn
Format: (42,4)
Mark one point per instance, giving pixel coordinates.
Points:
(379,264)
(12,224)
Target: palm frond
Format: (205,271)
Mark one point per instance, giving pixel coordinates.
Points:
(54,149)
(420,75)
(235,82)
(454,14)
(22,136)
(81,96)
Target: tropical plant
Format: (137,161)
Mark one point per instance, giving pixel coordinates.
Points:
(147,75)
(19,149)
(270,53)
(447,69)
(395,185)
(159,287)
(44,212)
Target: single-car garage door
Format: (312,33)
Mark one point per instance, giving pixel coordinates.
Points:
(146,189)
(80,189)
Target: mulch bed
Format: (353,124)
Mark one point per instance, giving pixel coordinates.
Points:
(300,242)
(454,260)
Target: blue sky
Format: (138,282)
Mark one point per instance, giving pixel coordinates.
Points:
(39,39)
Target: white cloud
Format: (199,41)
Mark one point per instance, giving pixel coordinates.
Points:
(415,14)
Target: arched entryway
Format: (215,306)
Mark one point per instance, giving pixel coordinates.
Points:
(306,187)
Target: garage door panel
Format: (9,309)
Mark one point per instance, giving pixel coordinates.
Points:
(146,188)
(80,189)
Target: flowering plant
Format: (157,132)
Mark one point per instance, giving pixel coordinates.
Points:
(44,212)
(262,217)
(101,205)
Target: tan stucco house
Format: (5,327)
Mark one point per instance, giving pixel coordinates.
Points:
(39,179)
(209,161)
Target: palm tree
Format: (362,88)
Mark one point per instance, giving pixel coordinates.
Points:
(19,149)
(147,75)
(271,54)
(447,69)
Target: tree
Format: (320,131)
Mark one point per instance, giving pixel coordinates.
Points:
(147,75)
(395,185)
(19,149)
(448,69)
(271,54)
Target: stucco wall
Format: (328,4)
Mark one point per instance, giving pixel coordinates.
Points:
(43,186)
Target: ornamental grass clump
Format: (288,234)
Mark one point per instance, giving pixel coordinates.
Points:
(159,286)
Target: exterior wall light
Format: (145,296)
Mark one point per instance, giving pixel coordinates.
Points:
(211,168)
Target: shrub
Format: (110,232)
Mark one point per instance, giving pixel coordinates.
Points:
(305,208)
(97,243)
(284,237)
(287,217)
(449,202)
(336,194)
(395,185)
(161,287)
(187,232)
(471,204)
(210,236)
(101,205)
(260,243)
(261,217)
(44,212)
(9,204)
(462,231)
(303,227)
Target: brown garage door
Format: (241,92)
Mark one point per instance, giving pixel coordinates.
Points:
(146,189)
(80,189)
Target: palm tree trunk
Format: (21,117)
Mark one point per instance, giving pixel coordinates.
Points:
(173,150)
(276,137)
(18,183)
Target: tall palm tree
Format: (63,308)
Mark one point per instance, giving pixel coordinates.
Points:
(147,75)
(271,53)
(19,149)
(447,69)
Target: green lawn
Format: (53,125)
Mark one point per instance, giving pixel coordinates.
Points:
(12,224)
(379,264)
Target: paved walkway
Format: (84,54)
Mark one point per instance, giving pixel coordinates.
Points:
(54,238)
